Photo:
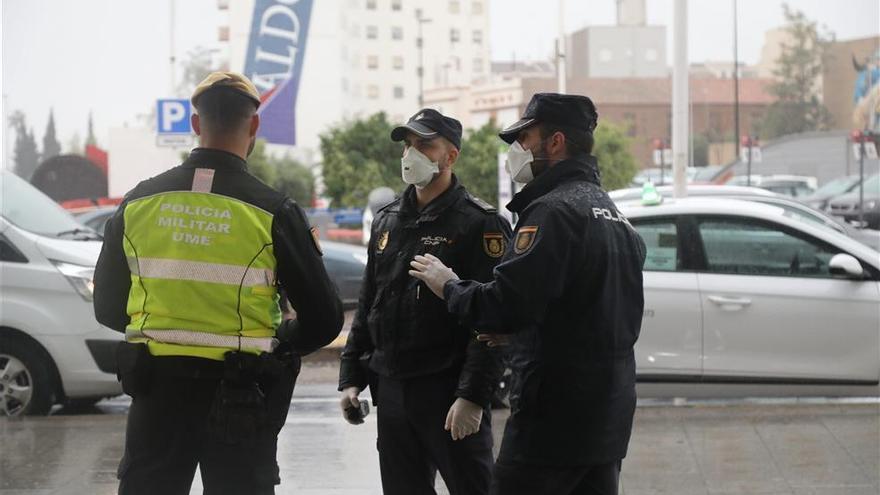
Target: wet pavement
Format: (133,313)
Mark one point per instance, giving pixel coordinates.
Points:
(722,447)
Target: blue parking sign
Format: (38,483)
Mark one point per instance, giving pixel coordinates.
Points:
(173,116)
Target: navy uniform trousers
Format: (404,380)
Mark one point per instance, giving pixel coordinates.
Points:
(413,444)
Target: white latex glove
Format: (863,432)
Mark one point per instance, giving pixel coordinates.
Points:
(463,418)
(349,399)
(430,270)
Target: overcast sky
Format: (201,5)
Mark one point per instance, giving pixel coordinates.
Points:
(111,56)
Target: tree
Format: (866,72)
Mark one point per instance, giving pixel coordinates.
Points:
(259,163)
(617,164)
(797,107)
(90,137)
(477,165)
(51,146)
(284,174)
(359,156)
(295,180)
(26,157)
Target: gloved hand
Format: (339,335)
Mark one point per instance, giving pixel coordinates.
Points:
(350,399)
(463,418)
(433,272)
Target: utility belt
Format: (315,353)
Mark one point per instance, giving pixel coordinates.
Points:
(253,391)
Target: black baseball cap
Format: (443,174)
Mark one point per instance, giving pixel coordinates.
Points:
(429,123)
(573,111)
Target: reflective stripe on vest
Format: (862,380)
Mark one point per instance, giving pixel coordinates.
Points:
(203,339)
(216,273)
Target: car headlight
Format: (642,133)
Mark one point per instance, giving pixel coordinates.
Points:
(80,277)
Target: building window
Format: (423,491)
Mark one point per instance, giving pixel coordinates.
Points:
(477,8)
(372,32)
(372,62)
(372,91)
(397,62)
(398,92)
(454,6)
(478,37)
(478,65)
(396,33)
(396,4)
(454,35)
(371,4)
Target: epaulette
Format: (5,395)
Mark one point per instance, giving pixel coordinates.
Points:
(479,203)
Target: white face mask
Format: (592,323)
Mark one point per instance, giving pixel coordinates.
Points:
(417,169)
(519,163)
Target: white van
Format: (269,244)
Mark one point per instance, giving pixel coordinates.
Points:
(52,350)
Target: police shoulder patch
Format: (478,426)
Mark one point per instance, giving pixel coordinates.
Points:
(525,238)
(493,244)
(479,203)
(382,242)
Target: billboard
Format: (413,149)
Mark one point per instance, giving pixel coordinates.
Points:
(274,60)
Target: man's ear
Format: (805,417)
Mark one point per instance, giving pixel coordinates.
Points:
(255,124)
(557,141)
(196,124)
(452,155)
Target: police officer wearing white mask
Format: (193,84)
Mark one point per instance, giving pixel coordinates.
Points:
(569,288)
(430,377)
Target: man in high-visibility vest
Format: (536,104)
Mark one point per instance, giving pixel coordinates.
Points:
(191,269)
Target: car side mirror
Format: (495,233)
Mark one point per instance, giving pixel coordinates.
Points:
(845,265)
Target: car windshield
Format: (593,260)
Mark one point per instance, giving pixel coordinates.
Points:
(24,206)
(837,186)
(872,184)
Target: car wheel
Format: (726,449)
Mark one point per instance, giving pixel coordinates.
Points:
(25,379)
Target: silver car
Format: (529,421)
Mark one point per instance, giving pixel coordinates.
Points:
(750,296)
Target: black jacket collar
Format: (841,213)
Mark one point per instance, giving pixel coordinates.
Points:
(214,158)
(577,168)
(409,202)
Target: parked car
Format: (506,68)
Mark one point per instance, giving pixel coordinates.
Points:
(52,350)
(744,296)
(848,207)
(95,218)
(789,204)
(655,176)
(831,189)
(705,175)
(790,185)
(345,263)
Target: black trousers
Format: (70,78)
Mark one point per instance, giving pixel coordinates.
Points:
(413,444)
(166,438)
(528,479)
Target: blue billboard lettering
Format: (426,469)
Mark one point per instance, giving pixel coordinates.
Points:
(279,30)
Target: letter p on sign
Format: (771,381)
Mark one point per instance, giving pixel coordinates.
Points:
(173,116)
